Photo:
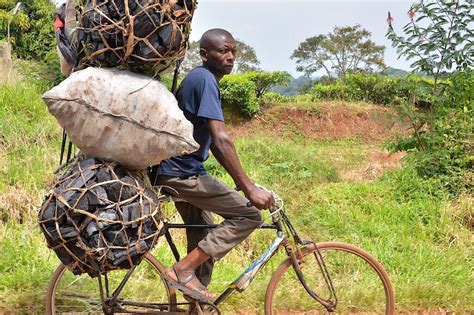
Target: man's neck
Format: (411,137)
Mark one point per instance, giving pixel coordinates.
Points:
(217,76)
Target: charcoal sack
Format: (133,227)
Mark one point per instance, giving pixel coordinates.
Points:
(144,36)
(100,217)
(121,116)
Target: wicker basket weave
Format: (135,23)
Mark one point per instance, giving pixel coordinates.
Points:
(100,217)
(145,36)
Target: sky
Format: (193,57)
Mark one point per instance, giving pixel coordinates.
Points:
(274,28)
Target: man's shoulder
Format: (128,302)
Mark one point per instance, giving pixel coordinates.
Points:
(200,75)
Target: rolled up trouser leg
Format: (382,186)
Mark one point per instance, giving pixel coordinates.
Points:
(206,192)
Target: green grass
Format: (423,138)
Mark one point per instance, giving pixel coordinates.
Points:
(29,138)
(26,266)
(407,223)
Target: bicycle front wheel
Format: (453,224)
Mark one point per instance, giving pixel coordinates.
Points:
(71,294)
(360,283)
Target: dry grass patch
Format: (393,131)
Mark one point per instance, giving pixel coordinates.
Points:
(376,163)
(18,205)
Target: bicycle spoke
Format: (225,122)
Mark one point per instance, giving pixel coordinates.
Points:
(80,294)
(359,286)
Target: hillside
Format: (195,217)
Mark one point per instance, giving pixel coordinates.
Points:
(328,163)
(294,87)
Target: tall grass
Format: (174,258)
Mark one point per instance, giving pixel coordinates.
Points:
(29,139)
(407,223)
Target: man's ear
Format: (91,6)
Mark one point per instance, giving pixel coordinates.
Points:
(203,54)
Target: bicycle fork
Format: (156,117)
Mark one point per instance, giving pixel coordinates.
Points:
(329,304)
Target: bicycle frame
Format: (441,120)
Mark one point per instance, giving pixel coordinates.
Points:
(280,221)
(244,280)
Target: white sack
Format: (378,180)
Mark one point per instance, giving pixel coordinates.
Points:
(121,116)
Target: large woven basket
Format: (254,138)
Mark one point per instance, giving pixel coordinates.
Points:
(145,36)
(100,217)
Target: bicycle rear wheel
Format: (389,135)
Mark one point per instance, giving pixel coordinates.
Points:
(360,282)
(71,294)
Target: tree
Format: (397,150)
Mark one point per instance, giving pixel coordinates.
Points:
(32,33)
(245,61)
(265,80)
(192,59)
(439,38)
(346,49)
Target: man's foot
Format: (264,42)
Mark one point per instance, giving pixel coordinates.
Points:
(187,282)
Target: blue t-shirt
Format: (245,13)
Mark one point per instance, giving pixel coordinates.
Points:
(200,99)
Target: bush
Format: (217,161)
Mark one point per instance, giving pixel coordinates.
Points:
(444,150)
(274,97)
(31,29)
(238,90)
(32,36)
(247,90)
(376,89)
(365,87)
(264,80)
(371,88)
(301,98)
(330,92)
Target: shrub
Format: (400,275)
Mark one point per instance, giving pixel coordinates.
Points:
(301,98)
(444,149)
(330,92)
(371,88)
(32,33)
(32,36)
(264,80)
(435,38)
(238,90)
(377,89)
(274,97)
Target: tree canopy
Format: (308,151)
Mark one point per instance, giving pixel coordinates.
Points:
(438,38)
(31,29)
(245,61)
(345,49)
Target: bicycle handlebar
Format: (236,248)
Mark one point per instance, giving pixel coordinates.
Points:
(278,200)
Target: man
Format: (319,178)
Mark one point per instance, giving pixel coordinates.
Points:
(199,98)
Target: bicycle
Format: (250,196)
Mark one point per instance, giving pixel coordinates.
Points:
(326,271)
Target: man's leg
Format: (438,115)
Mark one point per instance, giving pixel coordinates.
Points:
(206,192)
(194,215)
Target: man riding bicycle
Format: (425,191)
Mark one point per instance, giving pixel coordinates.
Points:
(199,98)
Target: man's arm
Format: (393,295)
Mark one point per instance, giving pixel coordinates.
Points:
(224,151)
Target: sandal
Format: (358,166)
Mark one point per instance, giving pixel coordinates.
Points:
(180,284)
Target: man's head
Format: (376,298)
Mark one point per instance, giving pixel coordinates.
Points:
(217,49)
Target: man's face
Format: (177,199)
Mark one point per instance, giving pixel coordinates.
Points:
(220,57)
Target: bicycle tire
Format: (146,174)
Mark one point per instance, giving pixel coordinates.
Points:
(85,298)
(361,272)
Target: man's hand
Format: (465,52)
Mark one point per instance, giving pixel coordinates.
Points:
(260,198)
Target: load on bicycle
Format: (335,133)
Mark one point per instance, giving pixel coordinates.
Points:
(103,213)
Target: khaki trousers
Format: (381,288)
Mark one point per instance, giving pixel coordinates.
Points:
(204,194)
